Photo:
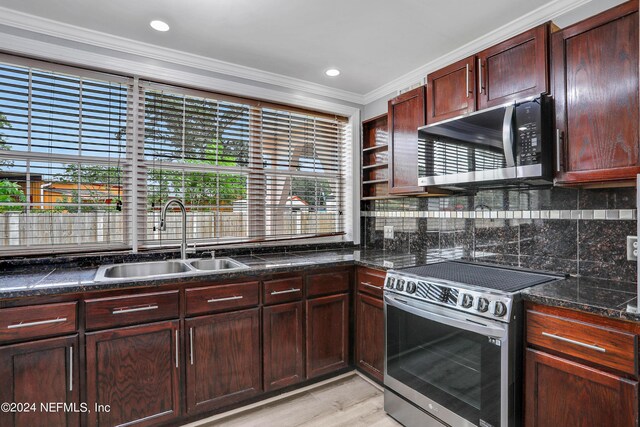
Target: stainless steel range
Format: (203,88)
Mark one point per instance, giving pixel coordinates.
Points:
(453,344)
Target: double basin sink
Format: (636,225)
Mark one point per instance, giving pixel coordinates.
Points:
(169,268)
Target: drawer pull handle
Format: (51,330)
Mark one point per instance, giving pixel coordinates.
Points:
(581,344)
(225,299)
(372,286)
(286,291)
(37,323)
(134,309)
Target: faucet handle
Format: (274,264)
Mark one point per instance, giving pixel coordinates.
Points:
(213,254)
(191,248)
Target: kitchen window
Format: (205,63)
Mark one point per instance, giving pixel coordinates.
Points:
(87,160)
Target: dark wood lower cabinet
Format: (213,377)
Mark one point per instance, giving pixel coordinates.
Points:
(223,359)
(369,342)
(327,334)
(134,370)
(283,345)
(41,372)
(560,392)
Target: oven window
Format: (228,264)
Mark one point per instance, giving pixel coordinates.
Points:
(458,369)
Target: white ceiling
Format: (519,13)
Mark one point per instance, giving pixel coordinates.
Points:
(371,41)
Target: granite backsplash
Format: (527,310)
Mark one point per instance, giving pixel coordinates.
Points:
(576,231)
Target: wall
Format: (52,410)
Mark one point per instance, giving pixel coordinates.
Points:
(556,229)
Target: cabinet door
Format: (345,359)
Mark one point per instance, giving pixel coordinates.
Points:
(327,334)
(406,115)
(370,335)
(451,91)
(40,372)
(559,392)
(595,74)
(514,69)
(283,345)
(134,370)
(223,359)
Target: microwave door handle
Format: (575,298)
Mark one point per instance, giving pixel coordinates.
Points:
(507,136)
(476,327)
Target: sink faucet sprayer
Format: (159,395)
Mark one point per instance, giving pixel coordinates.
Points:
(163,224)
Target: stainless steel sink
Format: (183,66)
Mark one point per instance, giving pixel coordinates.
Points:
(216,264)
(171,268)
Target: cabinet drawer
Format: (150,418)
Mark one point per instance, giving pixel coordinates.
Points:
(282,290)
(222,297)
(102,313)
(333,282)
(371,281)
(37,321)
(603,346)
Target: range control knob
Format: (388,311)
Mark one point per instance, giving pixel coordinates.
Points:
(500,309)
(400,285)
(483,305)
(411,287)
(390,281)
(467,301)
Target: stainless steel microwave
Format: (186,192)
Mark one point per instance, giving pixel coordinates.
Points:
(509,144)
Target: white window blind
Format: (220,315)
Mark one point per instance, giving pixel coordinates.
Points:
(246,171)
(88,159)
(63,158)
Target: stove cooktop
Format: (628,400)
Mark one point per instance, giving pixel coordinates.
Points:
(479,289)
(484,276)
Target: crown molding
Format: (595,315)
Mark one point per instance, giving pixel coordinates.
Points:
(515,27)
(86,36)
(72,56)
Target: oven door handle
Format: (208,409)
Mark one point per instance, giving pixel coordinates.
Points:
(465,324)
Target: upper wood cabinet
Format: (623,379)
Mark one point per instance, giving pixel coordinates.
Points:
(406,115)
(451,91)
(595,77)
(514,69)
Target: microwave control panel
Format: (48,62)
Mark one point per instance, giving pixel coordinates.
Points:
(528,137)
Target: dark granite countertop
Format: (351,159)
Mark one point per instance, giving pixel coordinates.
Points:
(602,297)
(57,280)
(598,296)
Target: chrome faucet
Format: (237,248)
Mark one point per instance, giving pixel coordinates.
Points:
(163,224)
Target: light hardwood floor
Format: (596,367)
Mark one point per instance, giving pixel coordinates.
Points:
(350,401)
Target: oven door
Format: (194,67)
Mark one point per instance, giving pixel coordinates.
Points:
(450,364)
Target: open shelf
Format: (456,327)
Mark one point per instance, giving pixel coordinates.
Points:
(377,165)
(374,174)
(375,148)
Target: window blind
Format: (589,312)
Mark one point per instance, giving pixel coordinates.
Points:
(247,172)
(63,158)
(88,159)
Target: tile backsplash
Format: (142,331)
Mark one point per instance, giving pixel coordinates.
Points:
(576,231)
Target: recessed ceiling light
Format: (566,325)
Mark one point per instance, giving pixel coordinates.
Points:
(332,72)
(159,25)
